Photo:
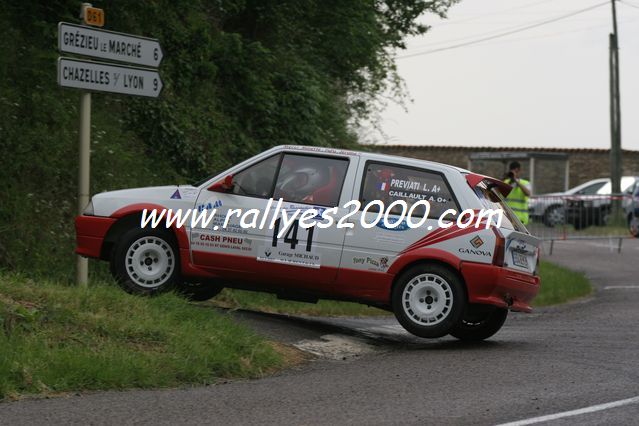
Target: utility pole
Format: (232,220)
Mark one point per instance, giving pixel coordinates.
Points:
(615,118)
(82,263)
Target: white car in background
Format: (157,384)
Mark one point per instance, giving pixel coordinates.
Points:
(550,209)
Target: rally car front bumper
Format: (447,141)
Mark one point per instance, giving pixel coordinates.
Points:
(89,234)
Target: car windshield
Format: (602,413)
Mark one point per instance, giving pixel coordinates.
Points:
(492,199)
(626,182)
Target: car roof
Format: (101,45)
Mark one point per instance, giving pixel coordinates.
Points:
(407,161)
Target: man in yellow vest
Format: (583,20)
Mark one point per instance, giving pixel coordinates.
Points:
(517,200)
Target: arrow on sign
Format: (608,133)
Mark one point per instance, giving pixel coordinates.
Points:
(101,77)
(110,45)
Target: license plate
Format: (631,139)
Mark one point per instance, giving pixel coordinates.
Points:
(520,259)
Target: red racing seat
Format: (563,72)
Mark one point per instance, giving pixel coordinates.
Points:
(325,195)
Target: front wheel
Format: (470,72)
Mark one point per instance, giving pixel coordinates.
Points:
(429,300)
(145,261)
(480,322)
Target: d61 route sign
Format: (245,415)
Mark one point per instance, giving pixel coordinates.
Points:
(101,77)
(109,45)
(94,16)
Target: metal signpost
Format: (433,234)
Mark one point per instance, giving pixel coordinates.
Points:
(90,76)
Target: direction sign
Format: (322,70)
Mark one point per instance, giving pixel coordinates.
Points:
(101,77)
(110,45)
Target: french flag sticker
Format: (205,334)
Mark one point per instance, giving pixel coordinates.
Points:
(382,186)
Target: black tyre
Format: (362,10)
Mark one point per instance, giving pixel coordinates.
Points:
(554,216)
(199,292)
(429,300)
(145,261)
(480,322)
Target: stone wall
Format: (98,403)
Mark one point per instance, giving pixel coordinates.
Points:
(584,164)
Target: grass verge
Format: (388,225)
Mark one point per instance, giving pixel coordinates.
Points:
(55,338)
(560,285)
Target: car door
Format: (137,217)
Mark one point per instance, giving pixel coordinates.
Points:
(223,245)
(275,187)
(373,248)
(308,258)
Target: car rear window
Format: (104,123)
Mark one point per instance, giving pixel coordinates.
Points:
(491,199)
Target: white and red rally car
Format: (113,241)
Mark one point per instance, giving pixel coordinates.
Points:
(437,280)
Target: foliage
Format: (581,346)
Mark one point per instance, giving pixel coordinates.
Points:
(240,76)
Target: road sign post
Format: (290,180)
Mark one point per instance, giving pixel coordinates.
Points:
(84,149)
(82,269)
(90,76)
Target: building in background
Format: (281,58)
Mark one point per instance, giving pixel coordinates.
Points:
(548,170)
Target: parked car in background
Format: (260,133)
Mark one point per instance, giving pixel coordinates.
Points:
(550,209)
(631,209)
(584,210)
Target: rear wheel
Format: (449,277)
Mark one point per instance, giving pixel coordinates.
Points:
(145,261)
(429,300)
(554,216)
(480,322)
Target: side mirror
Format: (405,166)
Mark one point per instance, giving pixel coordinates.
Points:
(224,185)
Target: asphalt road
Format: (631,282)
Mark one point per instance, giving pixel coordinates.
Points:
(563,362)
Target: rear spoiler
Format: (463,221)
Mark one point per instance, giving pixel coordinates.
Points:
(475,179)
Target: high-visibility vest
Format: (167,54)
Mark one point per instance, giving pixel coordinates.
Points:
(518,201)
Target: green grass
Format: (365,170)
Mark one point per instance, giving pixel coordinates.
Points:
(560,285)
(266,302)
(56,338)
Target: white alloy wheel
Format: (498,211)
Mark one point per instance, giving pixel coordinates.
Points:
(427,299)
(149,261)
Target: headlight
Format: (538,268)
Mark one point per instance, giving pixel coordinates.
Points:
(88,210)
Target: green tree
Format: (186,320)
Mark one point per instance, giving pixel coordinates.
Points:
(239,77)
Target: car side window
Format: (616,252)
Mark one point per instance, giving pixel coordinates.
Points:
(311,179)
(257,179)
(390,183)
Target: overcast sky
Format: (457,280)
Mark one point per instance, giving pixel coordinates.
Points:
(545,87)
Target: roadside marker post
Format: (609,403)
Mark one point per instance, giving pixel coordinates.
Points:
(90,76)
(84,172)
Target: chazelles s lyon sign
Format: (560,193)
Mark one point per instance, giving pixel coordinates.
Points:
(101,77)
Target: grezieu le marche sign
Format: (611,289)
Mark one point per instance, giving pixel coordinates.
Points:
(109,45)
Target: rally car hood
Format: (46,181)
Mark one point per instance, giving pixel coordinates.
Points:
(170,196)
